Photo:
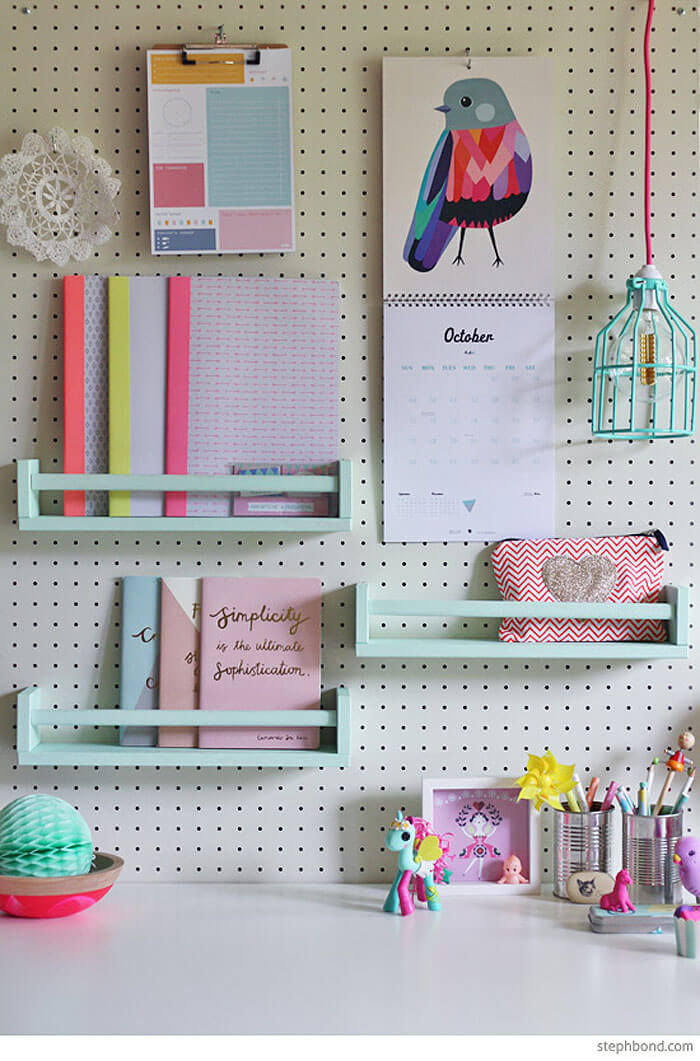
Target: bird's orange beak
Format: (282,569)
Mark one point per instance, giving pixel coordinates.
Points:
(677,858)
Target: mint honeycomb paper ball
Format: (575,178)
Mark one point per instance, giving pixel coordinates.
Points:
(43,836)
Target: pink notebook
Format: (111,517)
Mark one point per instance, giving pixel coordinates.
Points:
(252,378)
(261,650)
(179,656)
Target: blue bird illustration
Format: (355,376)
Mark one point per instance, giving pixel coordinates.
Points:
(479,174)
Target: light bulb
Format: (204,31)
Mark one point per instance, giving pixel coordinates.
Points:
(653,364)
(648,348)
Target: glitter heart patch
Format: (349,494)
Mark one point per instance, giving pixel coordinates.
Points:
(589,579)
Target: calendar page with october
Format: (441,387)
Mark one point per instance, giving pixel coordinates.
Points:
(468,421)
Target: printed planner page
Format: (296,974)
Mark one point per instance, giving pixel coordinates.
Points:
(468,422)
(220,143)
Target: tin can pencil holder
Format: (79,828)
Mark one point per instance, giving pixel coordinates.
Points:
(581,842)
(648,844)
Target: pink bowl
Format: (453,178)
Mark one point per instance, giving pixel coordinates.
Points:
(59,896)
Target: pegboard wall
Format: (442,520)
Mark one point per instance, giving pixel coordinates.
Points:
(81,65)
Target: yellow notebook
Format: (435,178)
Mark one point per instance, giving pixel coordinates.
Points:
(138,352)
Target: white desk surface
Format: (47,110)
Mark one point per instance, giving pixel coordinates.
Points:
(276,959)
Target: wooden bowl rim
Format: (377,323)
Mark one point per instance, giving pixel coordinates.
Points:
(94,881)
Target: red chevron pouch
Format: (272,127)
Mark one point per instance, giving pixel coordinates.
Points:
(617,570)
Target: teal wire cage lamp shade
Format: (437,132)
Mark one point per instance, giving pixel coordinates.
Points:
(645,364)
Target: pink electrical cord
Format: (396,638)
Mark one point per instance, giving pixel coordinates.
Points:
(647,134)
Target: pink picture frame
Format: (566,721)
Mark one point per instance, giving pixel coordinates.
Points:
(485,824)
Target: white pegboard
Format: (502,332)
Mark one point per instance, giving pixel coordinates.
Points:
(81,65)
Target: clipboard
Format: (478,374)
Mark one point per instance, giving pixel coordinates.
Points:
(214,51)
(220,148)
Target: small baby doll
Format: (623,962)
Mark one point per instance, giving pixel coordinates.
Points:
(513,871)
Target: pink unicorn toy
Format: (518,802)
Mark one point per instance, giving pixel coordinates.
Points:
(618,900)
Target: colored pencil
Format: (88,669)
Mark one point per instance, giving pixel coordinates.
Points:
(683,798)
(610,795)
(643,799)
(592,789)
(580,793)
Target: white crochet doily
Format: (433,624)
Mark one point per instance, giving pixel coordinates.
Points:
(57,197)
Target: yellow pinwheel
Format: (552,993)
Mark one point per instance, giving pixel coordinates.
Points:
(545,780)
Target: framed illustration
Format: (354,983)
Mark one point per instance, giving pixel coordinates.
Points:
(486,825)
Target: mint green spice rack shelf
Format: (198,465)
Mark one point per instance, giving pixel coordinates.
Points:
(673,612)
(333,719)
(32,482)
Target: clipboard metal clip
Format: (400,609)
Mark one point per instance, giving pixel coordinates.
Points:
(189,51)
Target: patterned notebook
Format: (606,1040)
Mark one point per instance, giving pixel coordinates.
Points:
(261,650)
(252,377)
(139,655)
(85,447)
(180,607)
(138,321)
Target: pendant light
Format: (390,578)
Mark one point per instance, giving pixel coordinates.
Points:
(645,359)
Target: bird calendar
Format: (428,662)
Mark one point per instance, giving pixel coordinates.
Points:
(468,299)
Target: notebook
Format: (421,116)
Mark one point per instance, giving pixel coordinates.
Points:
(252,378)
(139,665)
(85,435)
(468,299)
(261,650)
(138,319)
(180,606)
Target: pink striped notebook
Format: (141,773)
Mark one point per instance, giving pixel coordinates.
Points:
(261,650)
(252,377)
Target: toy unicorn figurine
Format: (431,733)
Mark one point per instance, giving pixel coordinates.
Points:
(421,862)
(618,900)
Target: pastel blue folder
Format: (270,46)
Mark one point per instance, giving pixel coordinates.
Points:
(140,656)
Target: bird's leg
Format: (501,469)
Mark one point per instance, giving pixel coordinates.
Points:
(498,259)
(459,260)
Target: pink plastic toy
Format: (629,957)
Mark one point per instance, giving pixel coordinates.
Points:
(687,854)
(513,871)
(618,900)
